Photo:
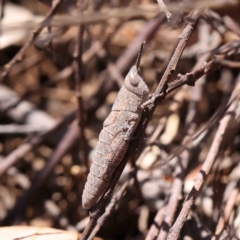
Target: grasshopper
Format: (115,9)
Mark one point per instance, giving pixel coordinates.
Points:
(116,134)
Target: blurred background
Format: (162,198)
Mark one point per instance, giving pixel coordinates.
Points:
(47,140)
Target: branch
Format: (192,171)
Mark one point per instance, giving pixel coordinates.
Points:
(229,121)
(78,64)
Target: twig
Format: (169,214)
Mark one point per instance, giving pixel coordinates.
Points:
(19,129)
(27,63)
(128,12)
(231,25)
(99,208)
(178,97)
(1,9)
(78,64)
(19,56)
(164,9)
(231,116)
(183,159)
(152,139)
(157,222)
(228,63)
(191,19)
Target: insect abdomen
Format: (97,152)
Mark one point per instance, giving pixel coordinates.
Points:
(115,136)
(108,153)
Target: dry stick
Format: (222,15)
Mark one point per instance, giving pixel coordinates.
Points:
(157,223)
(184,158)
(68,141)
(27,63)
(1,9)
(19,129)
(99,207)
(225,22)
(147,11)
(78,64)
(228,63)
(231,25)
(191,19)
(19,56)
(175,195)
(164,8)
(229,206)
(178,97)
(230,118)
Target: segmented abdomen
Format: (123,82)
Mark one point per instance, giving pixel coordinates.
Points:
(114,139)
(108,153)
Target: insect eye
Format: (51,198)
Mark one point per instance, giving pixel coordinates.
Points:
(134,81)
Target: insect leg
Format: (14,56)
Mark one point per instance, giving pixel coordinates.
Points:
(130,131)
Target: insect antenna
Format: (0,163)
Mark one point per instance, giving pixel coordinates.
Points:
(139,56)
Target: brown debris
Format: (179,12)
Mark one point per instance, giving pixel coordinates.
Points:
(60,73)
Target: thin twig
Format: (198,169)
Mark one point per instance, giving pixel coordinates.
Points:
(2,8)
(164,9)
(78,65)
(127,12)
(157,222)
(230,116)
(191,19)
(184,158)
(228,63)
(19,129)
